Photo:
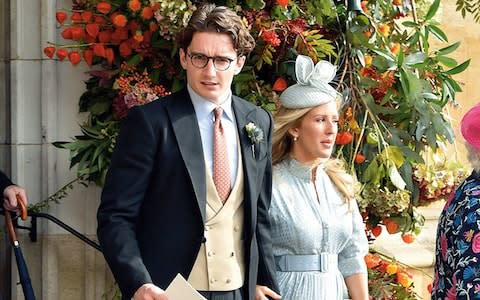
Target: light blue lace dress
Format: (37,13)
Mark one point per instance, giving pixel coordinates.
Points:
(305,225)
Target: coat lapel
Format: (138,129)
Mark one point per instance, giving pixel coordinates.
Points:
(185,127)
(242,116)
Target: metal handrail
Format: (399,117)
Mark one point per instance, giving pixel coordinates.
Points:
(33,228)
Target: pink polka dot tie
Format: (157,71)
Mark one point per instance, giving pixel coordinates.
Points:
(221,169)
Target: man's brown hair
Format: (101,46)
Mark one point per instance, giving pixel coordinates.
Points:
(211,18)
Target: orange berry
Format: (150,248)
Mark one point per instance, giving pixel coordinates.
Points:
(280,85)
(391,269)
(368,60)
(147,13)
(408,238)
(74,57)
(404,279)
(62,53)
(282,3)
(364,5)
(119,20)
(49,51)
(392,226)
(384,29)
(104,7)
(61,16)
(92,29)
(372,260)
(134,5)
(395,48)
(343,138)
(88,56)
(377,230)
(359,158)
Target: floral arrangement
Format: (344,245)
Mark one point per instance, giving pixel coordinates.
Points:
(394,83)
(389,279)
(438,176)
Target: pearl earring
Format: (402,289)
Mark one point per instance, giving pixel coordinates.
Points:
(295,138)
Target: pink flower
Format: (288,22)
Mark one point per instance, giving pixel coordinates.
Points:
(443,246)
(452,292)
(476,243)
(130,100)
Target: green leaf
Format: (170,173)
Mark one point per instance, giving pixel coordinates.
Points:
(437,32)
(410,24)
(385,54)
(447,61)
(453,84)
(255,4)
(393,154)
(421,127)
(415,58)
(458,69)
(135,60)
(448,49)
(442,127)
(432,10)
(371,172)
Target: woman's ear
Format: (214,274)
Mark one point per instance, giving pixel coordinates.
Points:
(293,132)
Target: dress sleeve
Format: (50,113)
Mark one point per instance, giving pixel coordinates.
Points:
(351,258)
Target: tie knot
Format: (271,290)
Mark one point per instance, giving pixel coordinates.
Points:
(218,112)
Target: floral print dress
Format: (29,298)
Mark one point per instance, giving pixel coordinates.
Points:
(457,265)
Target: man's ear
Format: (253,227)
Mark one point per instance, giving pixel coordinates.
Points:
(183,58)
(239,65)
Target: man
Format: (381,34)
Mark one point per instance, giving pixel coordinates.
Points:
(171,202)
(10,192)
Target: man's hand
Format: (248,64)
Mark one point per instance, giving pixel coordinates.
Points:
(261,293)
(10,196)
(149,291)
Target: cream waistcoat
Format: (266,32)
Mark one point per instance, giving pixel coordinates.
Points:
(220,264)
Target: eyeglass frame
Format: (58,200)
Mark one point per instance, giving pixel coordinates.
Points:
(191,55)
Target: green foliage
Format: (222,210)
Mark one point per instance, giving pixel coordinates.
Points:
(469,7)
(396,85)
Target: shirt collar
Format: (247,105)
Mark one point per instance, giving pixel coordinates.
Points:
(204,107)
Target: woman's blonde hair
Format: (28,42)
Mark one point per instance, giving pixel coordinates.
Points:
(473,155)
(282,144)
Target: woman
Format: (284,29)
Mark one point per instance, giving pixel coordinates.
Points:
(318,234)
(457,256)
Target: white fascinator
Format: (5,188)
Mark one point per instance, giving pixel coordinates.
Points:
(312,87)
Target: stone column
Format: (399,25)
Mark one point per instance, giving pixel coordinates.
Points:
(44,108)
(5,248)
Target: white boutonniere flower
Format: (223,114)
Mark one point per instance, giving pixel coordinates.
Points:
(255,135)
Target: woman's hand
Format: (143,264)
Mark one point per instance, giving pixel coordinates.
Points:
(264,293)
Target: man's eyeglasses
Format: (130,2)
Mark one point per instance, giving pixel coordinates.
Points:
(220,63)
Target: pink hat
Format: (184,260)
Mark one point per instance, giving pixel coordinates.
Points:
(470,126)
